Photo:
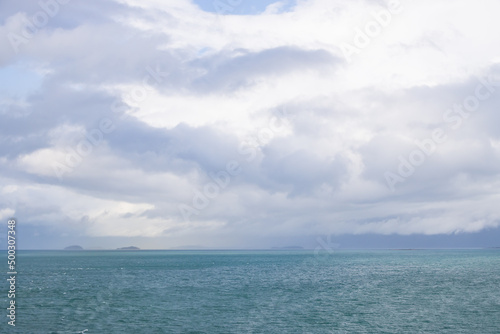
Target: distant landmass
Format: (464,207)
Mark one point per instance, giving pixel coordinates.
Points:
(190,247)
(289,247)
(74,247)
(129,248)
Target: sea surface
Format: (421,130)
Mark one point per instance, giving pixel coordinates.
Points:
(382,291)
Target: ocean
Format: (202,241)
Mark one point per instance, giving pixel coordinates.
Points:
(380,291)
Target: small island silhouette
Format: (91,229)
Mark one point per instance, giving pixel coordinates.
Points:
(129,248)
(74,247)
(288,248)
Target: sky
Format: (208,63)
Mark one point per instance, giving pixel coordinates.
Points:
(170,124)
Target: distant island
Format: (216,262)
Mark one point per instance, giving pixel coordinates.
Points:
(129,248)
(74,247)
(288,247)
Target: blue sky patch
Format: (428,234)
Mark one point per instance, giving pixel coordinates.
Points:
(18,81)
(241,7)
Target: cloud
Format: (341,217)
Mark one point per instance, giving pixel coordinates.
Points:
(185,93)
(240,71)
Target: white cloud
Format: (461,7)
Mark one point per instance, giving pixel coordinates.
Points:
(225,81)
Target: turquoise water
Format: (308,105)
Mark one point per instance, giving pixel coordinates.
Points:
(421,291)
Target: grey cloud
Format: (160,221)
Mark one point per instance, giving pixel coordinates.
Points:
(301,172)
(65,16)
(230,73)
(180,149)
